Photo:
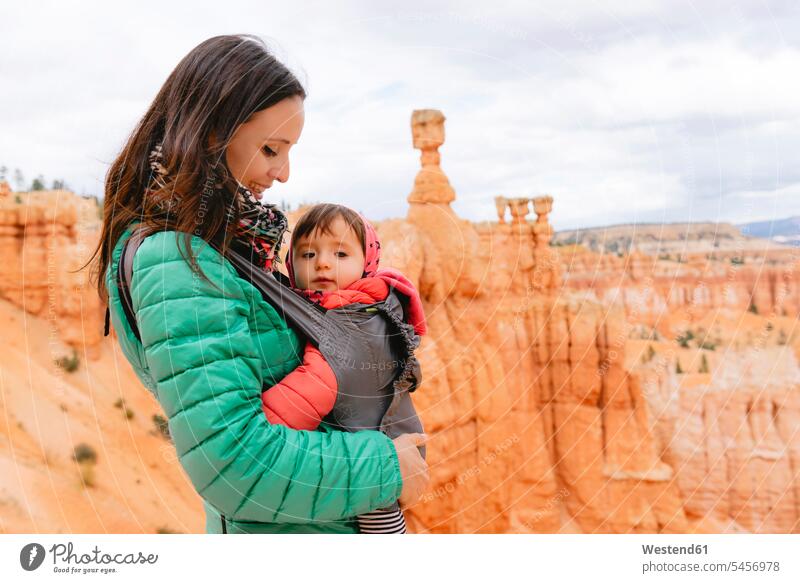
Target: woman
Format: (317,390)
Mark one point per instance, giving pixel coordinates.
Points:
(217,135)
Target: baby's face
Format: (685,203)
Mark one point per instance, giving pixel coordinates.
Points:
(328,261)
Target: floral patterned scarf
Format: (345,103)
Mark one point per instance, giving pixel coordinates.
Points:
(260,229)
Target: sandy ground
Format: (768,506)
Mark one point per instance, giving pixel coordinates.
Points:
(138,487)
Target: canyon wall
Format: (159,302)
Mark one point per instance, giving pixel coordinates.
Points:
(538,420)
(733,439)
(650,289)
(534,423)
(45,237)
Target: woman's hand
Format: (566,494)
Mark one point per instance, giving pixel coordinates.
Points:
(412,467)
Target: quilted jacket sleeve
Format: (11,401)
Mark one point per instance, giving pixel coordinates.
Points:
(305,395)
(199,349)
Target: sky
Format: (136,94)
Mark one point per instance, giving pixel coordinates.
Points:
(624,112)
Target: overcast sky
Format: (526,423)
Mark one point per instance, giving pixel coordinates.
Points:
(622,111)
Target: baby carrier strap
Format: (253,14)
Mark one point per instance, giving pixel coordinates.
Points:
(369,347)
(125,277)
(308,318)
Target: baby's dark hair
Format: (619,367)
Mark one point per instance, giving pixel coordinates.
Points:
(320,217)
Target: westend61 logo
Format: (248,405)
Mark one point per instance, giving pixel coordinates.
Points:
(32,556)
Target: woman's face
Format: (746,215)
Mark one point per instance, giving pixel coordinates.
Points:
(328,261)
(258,153)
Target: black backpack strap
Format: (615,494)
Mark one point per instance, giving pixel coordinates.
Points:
(107,323)
(125,277)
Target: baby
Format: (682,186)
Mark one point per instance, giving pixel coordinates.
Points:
(333,261)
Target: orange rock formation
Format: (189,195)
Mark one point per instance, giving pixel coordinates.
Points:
(535,424)
(43,244)
(651,289)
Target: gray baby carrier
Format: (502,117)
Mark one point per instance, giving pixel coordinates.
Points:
(369,347)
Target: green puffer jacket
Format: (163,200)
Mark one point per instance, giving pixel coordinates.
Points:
(205,354)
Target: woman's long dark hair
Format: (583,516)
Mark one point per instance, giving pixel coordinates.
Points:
(218,86)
